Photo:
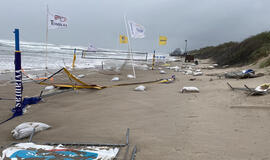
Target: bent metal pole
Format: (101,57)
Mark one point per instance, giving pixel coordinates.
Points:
(18,75)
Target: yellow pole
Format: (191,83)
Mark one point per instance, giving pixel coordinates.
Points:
(74,59)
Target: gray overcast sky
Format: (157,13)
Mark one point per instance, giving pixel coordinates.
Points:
(201,22)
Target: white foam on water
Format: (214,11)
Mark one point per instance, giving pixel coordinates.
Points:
(34,57)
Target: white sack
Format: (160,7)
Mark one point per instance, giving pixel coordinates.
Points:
(49,87)
(130,76)
(162,72)
(197,73)
(25,129)
(189,89)
(115,79)
(140,88)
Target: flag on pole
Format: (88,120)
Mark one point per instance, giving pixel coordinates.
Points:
(162,40)
(91,48)
(123,39)
(57,21)
(136,30)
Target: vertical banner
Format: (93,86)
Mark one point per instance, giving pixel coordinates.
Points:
(18,75)
(162,40)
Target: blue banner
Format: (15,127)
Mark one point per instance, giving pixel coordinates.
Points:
(18,75)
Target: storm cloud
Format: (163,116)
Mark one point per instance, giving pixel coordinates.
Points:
(201,22)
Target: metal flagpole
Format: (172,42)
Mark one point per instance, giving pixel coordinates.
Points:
(129,46)
(46,50)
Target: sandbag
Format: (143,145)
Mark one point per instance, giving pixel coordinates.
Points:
(189,89)
(49,87)
(130,76)
(25,129)
(197,73)
(115,79)
(140,88)
(162,72)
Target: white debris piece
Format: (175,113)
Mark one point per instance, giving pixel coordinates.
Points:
(25,129)
(188,72)
(197,73)
(189,89)
(263,88)
(140,88)
(210,67)
(130,76)
(215,65)
(197,70)
(162,72)
(49,87)
(175,68)
(81,76)
(115,79)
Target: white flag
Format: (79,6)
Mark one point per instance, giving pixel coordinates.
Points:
(57,21)
(136,30)
(91,48)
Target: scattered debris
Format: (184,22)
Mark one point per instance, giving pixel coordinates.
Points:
(210,67)
(130,76)
(189,89)
(115,79)
(25,129)
(49,87)
(192,79)
(35,151)
(140,88)
(176,68)
(250,91)
(243,74)
(162,72)
(81,76)
(188,72)
(197,73)
(263,88)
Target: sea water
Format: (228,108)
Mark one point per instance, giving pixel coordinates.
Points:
(33,57)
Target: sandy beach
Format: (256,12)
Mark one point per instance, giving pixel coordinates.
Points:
(164,123)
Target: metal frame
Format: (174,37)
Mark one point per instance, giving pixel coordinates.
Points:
(145,53)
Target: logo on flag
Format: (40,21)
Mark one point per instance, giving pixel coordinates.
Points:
(123,39)
(136,30)
(162,40)
(57,21)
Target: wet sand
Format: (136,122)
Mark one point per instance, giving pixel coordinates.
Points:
(164,123)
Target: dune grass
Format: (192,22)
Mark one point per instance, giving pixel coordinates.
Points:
(246,52)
